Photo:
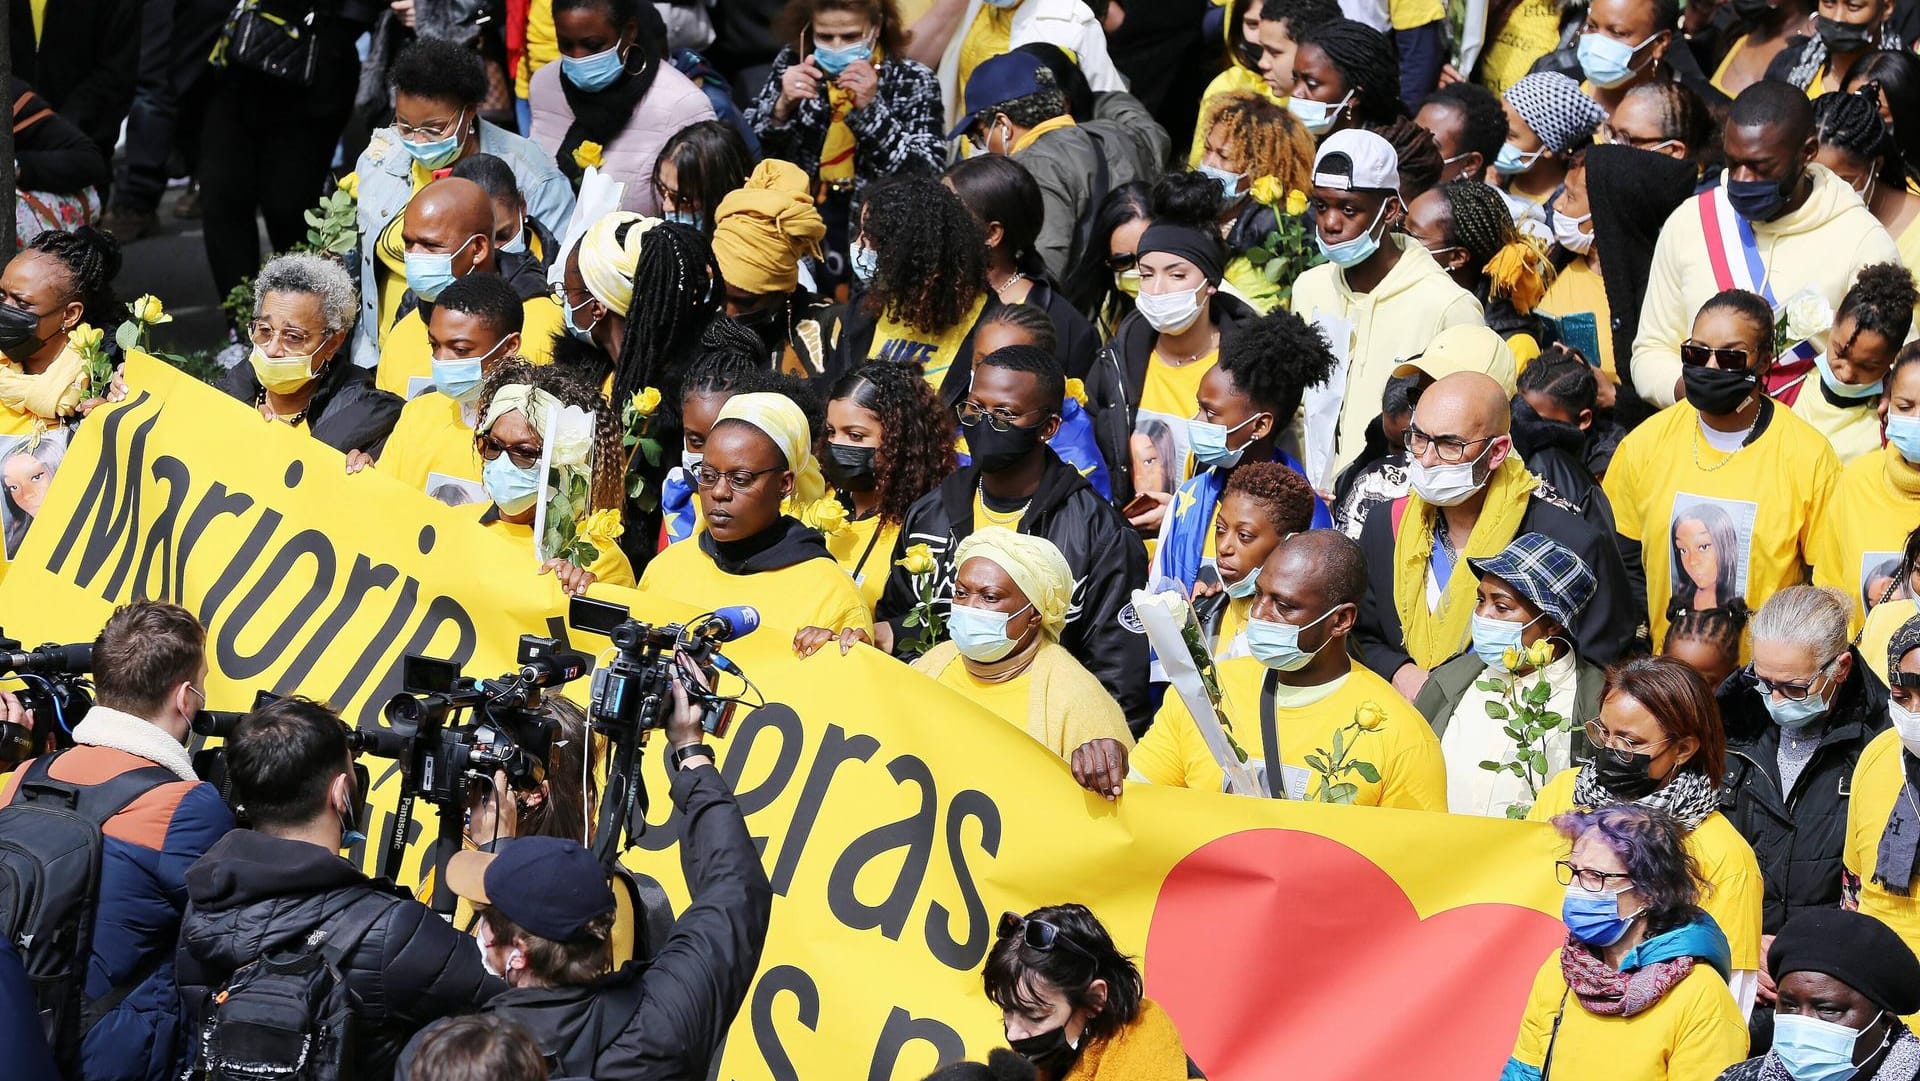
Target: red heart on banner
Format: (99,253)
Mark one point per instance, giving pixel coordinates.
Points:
(1281,953)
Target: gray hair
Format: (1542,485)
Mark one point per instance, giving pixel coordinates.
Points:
(1813,617)
(316,276)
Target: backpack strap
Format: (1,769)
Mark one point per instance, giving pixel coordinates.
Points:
(95,802)
(349,926)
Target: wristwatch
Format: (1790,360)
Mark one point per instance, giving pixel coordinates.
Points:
(679,755)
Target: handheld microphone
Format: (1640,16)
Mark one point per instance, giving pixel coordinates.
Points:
(58,660)
(728,623)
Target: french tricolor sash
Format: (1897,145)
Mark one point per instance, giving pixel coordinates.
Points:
(1734,256)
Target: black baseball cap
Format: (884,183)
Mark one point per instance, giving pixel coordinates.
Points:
(548,886)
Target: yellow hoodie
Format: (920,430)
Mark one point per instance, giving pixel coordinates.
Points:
(1823,245)
(1414,302)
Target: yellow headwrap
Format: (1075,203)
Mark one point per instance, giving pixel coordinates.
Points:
(607,263)
(1034,564)
(761,231)
(782,421)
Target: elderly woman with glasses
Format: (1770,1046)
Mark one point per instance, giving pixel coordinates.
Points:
(298,373)
(1075,1006)
(1658,743)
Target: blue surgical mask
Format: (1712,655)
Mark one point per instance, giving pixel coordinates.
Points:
(1246,587)
(1816,1050)
(1606,62)
(1511,162)
(1209,442)
(1351,253)
(1493,637)
(428,273)
(981,634)
(441,152)
(459,378)
(511,488)
(682,217)
(863,261)
(1903,435)
(1594,918)
(1277,645)
(579,332)
(1317,116)
(1789,714)
(596,72)
(519,242)
(1229,182)
(1845,390)
(835,61)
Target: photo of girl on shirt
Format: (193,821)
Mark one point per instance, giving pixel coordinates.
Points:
(1709,545)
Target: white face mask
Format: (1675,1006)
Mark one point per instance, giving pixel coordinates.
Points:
(1445,485)
(1907,723)
(1170,313)
(1567,234)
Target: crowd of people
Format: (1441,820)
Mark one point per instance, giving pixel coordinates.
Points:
(1521,401)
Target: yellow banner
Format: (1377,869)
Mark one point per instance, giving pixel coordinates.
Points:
(896,820)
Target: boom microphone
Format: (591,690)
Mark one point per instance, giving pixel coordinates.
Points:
(58,660)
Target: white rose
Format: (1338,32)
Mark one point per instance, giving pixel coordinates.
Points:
(572,437)
(1808,314)
(1173,602)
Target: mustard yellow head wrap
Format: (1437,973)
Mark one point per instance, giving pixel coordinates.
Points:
(782,421)
(607,262)
(761,231)
(1034,564)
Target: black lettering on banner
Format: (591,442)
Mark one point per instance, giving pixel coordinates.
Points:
(218,501)
(741,744)
(914,833)
(370,655)
(178,479)
(966,955)
(239,666)
(835,747)
(441,611)
(243,559)
(107,511)
(901,1029)
(778,980)
(365,577)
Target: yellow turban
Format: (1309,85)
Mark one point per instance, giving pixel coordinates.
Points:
(607,263)
(1034,564)
(761,231)
(782,421)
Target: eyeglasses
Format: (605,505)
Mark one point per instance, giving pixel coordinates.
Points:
(1039,934)
(1000,420)
(1123,262)
(524,456)
(1598,735)
(1448,448)
(1695,355)
(1590,880)
(438,129)
(1607,133)
(293,340)
(737,479)
(1792,692)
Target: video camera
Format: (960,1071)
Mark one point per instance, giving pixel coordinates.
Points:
(54,686)
(210,763)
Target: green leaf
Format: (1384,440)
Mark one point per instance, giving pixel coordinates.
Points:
(1273,270)
(1258,255)
(650,450)
(1498,711)
(1339,744)
(1518,812)
(1491,766)
(912,618)
(1487,685)
(1317,763)
(1539,760)
(1343,793)
(127,337)
(1538,694)
(1367,772)
(1513,733)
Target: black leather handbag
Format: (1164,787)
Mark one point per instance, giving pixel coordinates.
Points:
(261,40)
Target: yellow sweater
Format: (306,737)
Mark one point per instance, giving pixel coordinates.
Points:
(1877,780)
(1876,503)
(1064,704)
(1403,750)
(811,593)
(1727,864)
(433,436)
(1822,245)
(1579,288)
(406,359)
(1853,430)
(1771,496)
(1693,1033)
(1414,302)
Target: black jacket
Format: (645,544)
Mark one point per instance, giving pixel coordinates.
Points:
(665,1019)
(347,412)
(1797,837)
(84,62)
(253,894)
(1601,633)
(1119,373)
(1076,342)
(54,155)
(1556,452)
(1106,555)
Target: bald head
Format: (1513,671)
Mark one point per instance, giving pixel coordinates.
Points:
(1467,405)
(452,216)
(1329,558)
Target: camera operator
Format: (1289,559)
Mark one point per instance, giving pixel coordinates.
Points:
(546,929)
(149,665)
(269,889)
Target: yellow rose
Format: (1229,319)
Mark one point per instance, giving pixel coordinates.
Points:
(587,154)
(149,310)
(1077,390)
(351,185)
(645,401)
(603,528)
(1540,654)
(84,338)
(1510,659)
(1370,717)
(1296,202)
(918,560)
(1267,190)
(827,515)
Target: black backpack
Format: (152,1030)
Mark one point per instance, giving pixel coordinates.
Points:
(289,1015)
(50,848)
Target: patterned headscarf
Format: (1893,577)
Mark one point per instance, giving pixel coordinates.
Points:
(1556,110)
(608,259)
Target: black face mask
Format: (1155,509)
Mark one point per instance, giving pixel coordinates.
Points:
(1049,1051)
(1762,200)
(850,468)
(1845,37)
(1716,392)
(1753,11)
(16,331)
(994,450)
(1624,773)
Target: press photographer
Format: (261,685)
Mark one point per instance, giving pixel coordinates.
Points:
(550,911)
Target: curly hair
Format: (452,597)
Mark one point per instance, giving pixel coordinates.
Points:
(797,18)
(1014,968)
(1274,359)
(1284,494)
(1368,65)
(916,440)
(675,284)
(1652,846)
(1851,124)
(1188,198)
(92,260)
(933,254)
(1881,300)
(573,386)
(1483,123)
(439,70)
(1420,160)
(1269,141)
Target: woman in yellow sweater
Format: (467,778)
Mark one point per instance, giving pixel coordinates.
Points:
(1876,501)
(1841,396)
(45,293)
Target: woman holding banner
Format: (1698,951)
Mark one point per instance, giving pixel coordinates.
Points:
(47,291)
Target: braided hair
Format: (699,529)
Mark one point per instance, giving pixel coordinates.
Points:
(1718,628)
(575,386)
(932,254)
(1366,61)
(92,259)
(1851,124)
(1881,301)
(674,286)
(1681,114)
(1514,265)
(916,431)
(1420,160)
(1030,320)
(731,360)
(1562,376)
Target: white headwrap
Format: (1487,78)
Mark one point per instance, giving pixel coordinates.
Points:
(607,262)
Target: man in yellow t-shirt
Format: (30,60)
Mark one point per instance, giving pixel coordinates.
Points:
(1883,824)
(1301,689)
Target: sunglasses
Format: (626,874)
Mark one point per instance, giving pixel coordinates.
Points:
(1695,355)
(1123,262)
(1039,934)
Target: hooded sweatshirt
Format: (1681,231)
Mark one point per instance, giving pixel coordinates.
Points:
(1414,302)
(1821,246)
(785,571)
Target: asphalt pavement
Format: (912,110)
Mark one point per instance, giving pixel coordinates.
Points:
(172,265)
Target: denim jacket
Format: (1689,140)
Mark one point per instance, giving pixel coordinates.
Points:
(386,184)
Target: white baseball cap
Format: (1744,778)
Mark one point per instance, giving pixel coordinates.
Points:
(1355,159)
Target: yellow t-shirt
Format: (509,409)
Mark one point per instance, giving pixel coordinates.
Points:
(1727,864)
(1853,430)
(989,35)
(406,358)
(1530,32)
(431,450)
(811,593)
(1578,289)
(864,549)
(612,567)
(1878,779)
(1765,502)
(1862,540)
(1693,1033)
(984,515)
(390,259)
(1168,398)
(16,422)
(1233,620)
(1403,749)
(894,340)
(1008,700)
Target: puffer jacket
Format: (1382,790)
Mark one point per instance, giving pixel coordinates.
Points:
(671,103)
(898,133)
(254,894)
(347,412)
(1797,836)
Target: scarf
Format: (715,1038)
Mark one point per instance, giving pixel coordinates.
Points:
(1604,991)
(48,396)
(836,150)
(1903,475)
(1689,795)
(1899,849)
(1148,1048)
(1813,58)
(601,116)
(1901,1064)
(1433,637)
(105,726)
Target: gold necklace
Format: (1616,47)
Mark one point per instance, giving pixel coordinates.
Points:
(1213,342)
(1700,437)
